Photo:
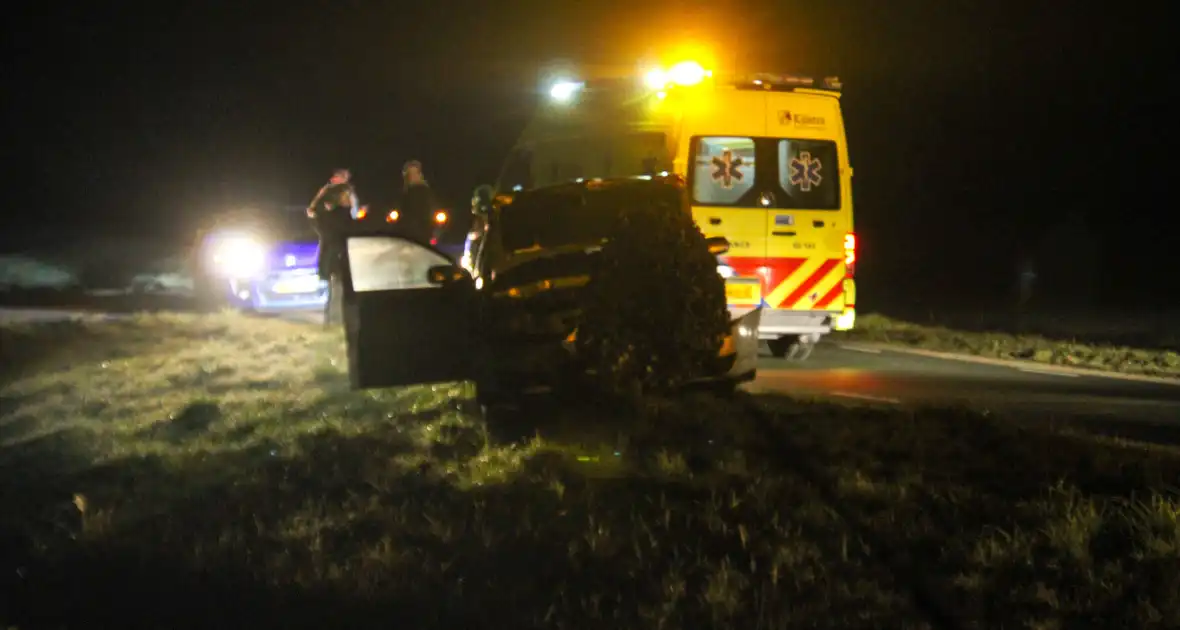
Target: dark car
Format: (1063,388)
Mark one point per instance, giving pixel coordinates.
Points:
(412,316)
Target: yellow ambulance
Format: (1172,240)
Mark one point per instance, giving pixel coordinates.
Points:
(766,162)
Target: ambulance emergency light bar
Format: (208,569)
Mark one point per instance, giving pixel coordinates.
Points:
(684,73)
(690,73)
(770,81)
(687,73)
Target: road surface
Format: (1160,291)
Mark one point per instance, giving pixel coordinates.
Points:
(875,376)
(861,375)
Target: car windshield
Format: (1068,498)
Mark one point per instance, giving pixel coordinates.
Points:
(576,216)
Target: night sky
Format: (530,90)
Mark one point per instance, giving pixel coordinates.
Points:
(976,134)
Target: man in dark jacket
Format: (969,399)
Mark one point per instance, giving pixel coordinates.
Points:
(417,206)
(332,210)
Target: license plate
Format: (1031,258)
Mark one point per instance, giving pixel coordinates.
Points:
(742,292)
(303,284)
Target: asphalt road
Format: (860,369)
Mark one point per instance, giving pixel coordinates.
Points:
(861,375)
(874,376)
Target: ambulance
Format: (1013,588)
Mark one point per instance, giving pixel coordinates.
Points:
(766,163)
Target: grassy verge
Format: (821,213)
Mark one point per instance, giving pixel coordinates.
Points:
(880,329)
(1008,525)
(176,471)
(202,472)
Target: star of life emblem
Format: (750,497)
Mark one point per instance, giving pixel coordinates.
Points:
(805,171)
(726,171)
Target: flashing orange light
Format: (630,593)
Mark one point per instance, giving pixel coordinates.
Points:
(392,216)
(687,73)
(684,73)
(850,254)
(440,216)
(363,212)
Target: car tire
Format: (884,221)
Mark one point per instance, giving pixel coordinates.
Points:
(779,347)
(791,348)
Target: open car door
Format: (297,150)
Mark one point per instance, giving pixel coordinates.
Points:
(409,314)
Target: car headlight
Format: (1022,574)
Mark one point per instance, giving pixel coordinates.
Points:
(725,271)
(239,256)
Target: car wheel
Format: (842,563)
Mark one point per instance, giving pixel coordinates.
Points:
(779,347)
(791,348)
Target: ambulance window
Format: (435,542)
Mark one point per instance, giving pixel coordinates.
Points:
(653,156)
(633,154)
(723,170)
(809,174)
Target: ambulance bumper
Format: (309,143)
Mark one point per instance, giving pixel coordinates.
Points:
(778,322)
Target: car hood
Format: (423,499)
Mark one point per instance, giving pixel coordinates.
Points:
(538,297)
(293,255)
(534,273)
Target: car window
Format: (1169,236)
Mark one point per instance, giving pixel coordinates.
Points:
(576,216)
(383,263)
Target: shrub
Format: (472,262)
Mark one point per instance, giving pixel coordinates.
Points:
(654,313)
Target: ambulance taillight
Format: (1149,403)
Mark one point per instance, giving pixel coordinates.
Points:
(850,254)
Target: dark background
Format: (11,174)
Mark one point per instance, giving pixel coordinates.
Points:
(980,135)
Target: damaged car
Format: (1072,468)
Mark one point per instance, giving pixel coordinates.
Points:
(412,316)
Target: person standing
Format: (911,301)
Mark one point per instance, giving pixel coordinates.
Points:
(332,211)
(417,205)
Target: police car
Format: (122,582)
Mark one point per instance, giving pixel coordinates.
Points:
(260,260)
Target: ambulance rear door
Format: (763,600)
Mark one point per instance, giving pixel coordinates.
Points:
(809,209)
(724,167)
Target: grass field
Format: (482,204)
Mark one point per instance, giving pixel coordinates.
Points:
(1161,358)
(176,471)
